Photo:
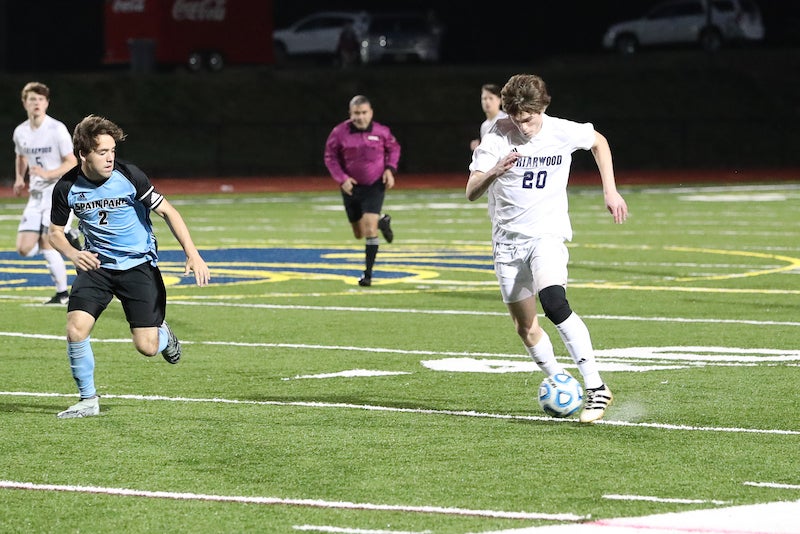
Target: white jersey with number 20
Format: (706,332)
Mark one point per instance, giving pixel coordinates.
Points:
(530,200)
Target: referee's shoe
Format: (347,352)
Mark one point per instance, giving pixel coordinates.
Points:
(385,226)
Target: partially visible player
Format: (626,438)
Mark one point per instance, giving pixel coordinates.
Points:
(43,148)
(524,163)
(113,201)
(490,104)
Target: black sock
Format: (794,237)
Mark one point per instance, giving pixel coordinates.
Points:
(370,252)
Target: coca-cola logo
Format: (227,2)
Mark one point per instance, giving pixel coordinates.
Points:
(127,6)
(198,10)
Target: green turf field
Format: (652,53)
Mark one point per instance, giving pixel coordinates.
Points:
(306,403)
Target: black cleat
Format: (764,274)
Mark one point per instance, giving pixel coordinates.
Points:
(172,352)
(385,226)
(59,298)
(365,281)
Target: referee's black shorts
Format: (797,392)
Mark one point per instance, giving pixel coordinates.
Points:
(140,290)
(365,199)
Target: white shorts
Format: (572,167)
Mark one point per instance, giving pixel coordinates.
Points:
(525,269)
(36,217)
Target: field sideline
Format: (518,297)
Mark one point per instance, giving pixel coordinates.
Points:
(288,184)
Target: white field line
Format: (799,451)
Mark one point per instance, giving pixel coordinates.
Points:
(649,498)
(698,355)
(314,503)
(459,413)
(774,485)
(207,301)
(228,304)
(341,530)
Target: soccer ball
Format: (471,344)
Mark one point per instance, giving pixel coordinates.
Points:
(560,395)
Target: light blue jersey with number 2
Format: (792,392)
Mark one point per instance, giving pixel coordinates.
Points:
(114,214)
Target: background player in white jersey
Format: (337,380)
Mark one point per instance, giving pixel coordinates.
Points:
(490,104)
(523,163)
(43,150)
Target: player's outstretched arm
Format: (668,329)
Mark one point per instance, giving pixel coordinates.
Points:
(194,262)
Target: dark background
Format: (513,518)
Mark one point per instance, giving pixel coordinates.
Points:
(667,109)
(68,35)
(519,31)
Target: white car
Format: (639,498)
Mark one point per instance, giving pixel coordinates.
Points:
(707,23)
(316,35)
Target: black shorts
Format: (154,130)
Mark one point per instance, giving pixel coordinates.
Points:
(365,199)
(140,290)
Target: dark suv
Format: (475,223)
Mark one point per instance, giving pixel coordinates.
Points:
(401,37)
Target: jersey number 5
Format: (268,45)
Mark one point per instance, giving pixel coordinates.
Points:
(531,180)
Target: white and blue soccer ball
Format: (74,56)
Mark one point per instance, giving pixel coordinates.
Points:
(560,395)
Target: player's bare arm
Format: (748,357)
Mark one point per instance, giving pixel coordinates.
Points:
(53,175)
(602,156)
(479,182)
(20,166)
(194,262)
(83,260)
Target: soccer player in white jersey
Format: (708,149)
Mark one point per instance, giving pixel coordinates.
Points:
(523,164)
(43,148)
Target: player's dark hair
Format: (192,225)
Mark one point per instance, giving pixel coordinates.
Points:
(84,138)
(493,88)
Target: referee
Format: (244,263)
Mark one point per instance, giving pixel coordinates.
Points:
(362,156)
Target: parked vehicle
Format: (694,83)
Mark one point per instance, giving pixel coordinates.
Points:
(196,33)
(316,35)
(709,24)
(401,37)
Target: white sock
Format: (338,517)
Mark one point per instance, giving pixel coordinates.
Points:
(33,252)
(576,337)
(57,267)
(543,355)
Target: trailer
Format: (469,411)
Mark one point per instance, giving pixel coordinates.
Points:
(200,34)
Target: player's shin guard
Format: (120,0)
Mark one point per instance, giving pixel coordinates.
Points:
(81,361)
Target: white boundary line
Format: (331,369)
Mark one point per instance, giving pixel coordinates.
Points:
(315,503)
(460,413)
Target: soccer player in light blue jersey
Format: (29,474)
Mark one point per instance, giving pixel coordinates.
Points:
(113,200)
